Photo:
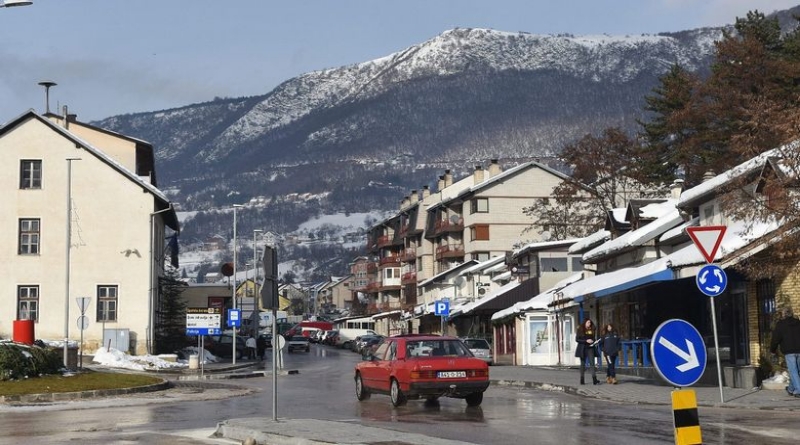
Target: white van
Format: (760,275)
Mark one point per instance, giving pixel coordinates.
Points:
(350,329)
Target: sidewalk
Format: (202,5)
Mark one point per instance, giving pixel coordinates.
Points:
(631,389)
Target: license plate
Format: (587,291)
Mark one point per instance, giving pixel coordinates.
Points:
(451,374)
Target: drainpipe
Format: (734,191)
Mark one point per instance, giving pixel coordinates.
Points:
(151,303)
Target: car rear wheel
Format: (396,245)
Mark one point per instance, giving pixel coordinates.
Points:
(398,398)
(362,393)
(474,399)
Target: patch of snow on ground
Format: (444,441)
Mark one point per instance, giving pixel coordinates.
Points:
(114,358)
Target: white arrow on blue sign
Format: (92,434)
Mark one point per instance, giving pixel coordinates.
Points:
(712,280)
(441,308)
(678,352)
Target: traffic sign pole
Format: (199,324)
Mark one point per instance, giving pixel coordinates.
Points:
(716,350)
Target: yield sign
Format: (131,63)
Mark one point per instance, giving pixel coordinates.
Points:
(707,239)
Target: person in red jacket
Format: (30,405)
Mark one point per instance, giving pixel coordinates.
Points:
(786,336)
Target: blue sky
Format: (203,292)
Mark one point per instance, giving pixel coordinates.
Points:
(113,57)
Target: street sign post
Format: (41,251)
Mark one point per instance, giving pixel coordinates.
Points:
(711,279)
(678,352)
(203,321)
(234,318)
(441,308)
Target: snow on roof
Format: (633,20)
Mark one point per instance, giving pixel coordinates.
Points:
(448,271)
(386,314)
(538,302)
(678,231)
(697,192)
(466,308)
(655,210)
(503,276)
(542,245)
(590,241)
(619,214)
(482,265)
(668,219)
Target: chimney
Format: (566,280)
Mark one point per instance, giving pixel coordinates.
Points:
(426,191)
(708,175)
(440,183)
(65,117)
(477,175)
(405,202)
(494,168)
(448,178)
(676,189)
(414,197)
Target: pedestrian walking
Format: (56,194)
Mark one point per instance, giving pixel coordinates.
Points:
(261,346)
(251,347)
(786,336)
(611,344)
(586,350)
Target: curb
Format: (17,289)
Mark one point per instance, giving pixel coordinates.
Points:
(81,395)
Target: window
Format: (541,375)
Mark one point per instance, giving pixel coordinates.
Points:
(576,264)
(28,303)
(29,237)
(481,256)
(554,265)
(30,174)
(107,303)
(479,232)
(480,205)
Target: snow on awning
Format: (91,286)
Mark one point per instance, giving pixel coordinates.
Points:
(540,301)
(466,308)
(386,314)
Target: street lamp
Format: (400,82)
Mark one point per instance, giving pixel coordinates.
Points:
(256,307)
(69,248)
(235,206)
(12,3)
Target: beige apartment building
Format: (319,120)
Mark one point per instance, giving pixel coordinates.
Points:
(478,217)
(83,217)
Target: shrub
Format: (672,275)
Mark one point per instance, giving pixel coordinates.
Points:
(19,361)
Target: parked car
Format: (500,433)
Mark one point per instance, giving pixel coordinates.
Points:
(222,345)
(368,344)
(328,338)
(298,342)
(417,366)
(480,348)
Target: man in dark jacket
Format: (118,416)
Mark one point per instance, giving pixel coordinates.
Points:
(787,336)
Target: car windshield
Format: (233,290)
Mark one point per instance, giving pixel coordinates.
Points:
(299,338)
(436,348)
(477,343)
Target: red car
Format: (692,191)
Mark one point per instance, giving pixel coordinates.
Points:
(422,366)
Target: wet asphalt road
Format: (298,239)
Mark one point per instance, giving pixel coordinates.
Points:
(324,390)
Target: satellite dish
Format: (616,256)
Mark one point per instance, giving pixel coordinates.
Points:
(460,281)
(455,219)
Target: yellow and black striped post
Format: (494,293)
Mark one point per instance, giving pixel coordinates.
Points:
(685,417)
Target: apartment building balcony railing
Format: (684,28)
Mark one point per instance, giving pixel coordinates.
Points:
(384,241)
(447,226)
(372,287)
(450,251)
(403,232)
(375,308)
(392,259)
(408,277)
(409,255)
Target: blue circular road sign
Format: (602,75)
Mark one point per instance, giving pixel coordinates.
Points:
(678,352)
(712,280)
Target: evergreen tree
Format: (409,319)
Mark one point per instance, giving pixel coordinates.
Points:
(170,329)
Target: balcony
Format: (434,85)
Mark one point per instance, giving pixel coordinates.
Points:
(408,277)
(450,251)
(409,255)
(447,226)
(393,259)
(375,308)
(372,287)
(383,241)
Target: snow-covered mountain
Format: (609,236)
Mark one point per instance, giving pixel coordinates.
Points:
(358,138)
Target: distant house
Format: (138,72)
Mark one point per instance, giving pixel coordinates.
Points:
(215,242)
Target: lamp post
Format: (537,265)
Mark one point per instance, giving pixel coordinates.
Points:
(69,248)
(256,309)
(235,206)
(12,3)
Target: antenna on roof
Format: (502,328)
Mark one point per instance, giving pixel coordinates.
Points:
(47,84)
